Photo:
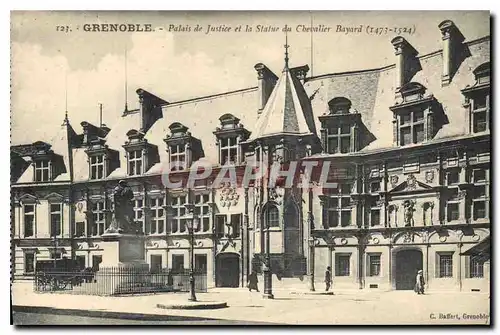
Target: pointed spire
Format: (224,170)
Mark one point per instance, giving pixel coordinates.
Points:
(126,84)
(66,120)
(286,50)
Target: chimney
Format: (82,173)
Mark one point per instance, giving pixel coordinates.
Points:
(452,42)
(150,109)
(267,79)
(405,55)
(300,72)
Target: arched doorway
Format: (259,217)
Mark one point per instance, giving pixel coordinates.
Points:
(227,271)
(407,263)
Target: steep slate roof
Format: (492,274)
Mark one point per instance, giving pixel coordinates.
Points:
(371,93)
(287,110)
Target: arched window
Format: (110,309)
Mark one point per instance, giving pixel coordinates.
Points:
(272,217)
(291,216)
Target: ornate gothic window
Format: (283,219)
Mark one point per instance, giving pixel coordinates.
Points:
(272,216)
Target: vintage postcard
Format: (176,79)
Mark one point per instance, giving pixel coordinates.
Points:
(253,168)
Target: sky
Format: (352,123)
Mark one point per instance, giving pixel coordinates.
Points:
(54,71)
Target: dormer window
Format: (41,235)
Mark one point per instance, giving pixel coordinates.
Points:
(42,170)
(342,130)
(135,162)
(102,160)
(178,157)
(97,167)
(416,115)
(141,155)
(229,136)
(411,127)
(477,99)
(183,148)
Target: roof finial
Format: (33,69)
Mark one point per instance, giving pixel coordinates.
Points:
(286,49)
(66,120)
(126,84)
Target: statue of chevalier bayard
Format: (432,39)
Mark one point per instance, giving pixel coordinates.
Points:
(123,214)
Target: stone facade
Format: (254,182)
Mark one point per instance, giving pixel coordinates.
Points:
(408,144)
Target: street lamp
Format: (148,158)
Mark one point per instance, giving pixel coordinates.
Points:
(268,279)
(312,245)
(192,225)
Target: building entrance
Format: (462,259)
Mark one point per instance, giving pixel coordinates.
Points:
(227,270)
(408,262)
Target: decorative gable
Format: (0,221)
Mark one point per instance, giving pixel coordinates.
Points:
(411,184)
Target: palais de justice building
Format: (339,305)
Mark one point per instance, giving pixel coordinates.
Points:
(409,146)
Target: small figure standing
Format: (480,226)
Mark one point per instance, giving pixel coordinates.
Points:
(419,282)
(252,282)
(328,278)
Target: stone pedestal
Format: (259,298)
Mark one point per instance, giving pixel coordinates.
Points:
(123,268)
(123,250)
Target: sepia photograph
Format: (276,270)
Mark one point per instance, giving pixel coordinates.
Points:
(250,168)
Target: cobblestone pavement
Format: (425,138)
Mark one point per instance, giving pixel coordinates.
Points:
(343,308)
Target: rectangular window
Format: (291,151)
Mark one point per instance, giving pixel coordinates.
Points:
(98,218)
(476,267)
(79,229)
(157,216)
(452,211)
(339,139)
(177,262)
(139,214)
(202,210)
(411,127)
(453,177)
(236,224)
(445,265)
(29,220)
(406,136)
(374,265)
(29,262)
(479,209)
(156,263)
(135,162)
(220,223)
(42,170)
(342,265)
(479,175)
(178,157)
(97,167)
(96,260)
(229,150)
(480,113)
(178,214)
(200,263)
(338,207)
(375,217)
(55,219)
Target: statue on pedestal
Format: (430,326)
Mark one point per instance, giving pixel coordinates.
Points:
(122,221)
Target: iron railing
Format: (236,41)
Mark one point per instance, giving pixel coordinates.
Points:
(117,280)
